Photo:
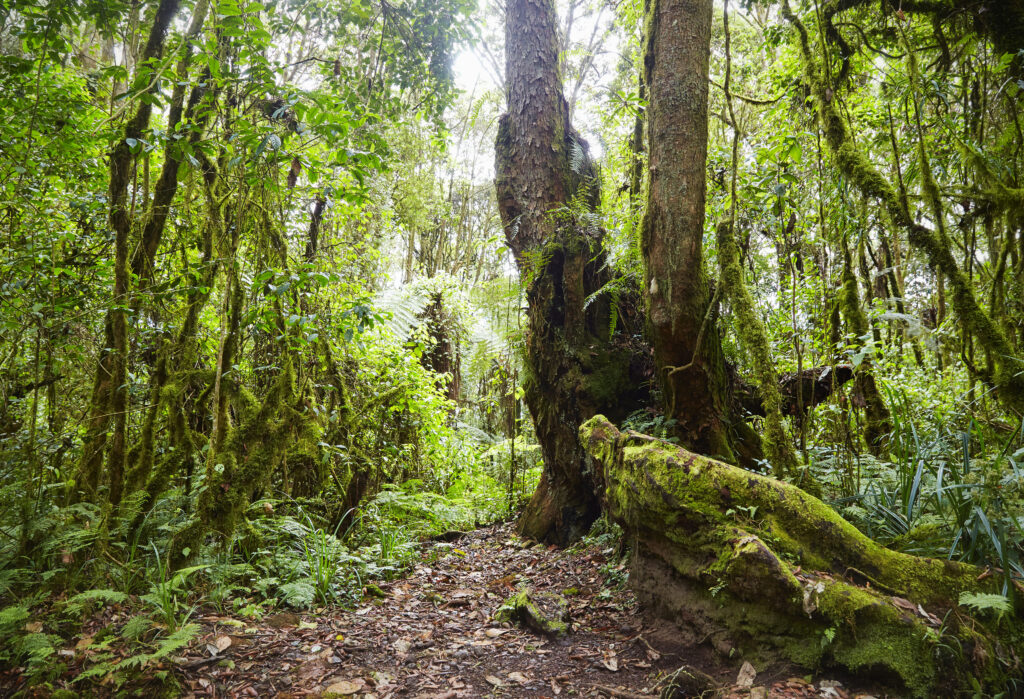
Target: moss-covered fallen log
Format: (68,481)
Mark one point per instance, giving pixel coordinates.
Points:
(757,566)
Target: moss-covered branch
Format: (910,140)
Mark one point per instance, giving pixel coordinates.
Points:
(1008,377)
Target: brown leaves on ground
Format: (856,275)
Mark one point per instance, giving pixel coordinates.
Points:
(433,636)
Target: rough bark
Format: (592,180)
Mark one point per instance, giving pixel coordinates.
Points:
(546,189)
(758,566)
(687,347)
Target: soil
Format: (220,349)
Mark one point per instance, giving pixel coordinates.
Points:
(431,634)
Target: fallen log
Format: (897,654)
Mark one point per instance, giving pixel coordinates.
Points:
(760,568)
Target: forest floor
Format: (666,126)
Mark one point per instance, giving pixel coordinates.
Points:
(431,634)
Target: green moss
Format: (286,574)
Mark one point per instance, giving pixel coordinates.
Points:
(733,541)
(1008,378)
(752,333)
(523,609)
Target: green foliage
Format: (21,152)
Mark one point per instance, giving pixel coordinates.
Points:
(986,602)
(167,593)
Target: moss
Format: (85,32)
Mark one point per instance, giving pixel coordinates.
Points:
(522,608)
(372,590)
(1008,378)
(732,542)
(754,337)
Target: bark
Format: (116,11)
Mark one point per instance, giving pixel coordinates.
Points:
(681,312)
(546,188)
(760,567)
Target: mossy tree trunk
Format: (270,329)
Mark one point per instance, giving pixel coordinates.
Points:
(546,188)
(877,417)
(681,312)
(749,326)
(109,403)
(758,566)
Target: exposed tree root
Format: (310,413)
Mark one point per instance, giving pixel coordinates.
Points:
(758,566)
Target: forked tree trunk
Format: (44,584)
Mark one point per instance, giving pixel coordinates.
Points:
(546,188)
(758,566)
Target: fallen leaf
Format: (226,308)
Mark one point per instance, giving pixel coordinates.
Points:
(345,687)
(904,604)
(609,660)
(746,676)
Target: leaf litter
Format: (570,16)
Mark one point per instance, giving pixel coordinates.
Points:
(433,635)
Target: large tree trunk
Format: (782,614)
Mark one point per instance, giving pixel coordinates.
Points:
(757,566)
(546,188)
(687,347)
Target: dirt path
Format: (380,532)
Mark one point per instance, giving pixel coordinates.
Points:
(433,636)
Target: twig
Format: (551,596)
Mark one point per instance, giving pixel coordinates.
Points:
(619,693)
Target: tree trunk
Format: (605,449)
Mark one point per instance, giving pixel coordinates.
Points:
(110,394)
(546,190)
(681,311)
(757,566)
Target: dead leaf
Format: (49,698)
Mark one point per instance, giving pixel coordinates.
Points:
(904,604)
(345,687)
(746,676)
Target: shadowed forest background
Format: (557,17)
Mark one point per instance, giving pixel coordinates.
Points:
(293,290)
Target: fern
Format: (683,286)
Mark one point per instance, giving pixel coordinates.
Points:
(177,640)
(83,601)
(135,627)
(984,601)
(577,157)
(613,288)
(402,307)
(12,617)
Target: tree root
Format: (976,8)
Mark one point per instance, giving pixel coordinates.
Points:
(760,566)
